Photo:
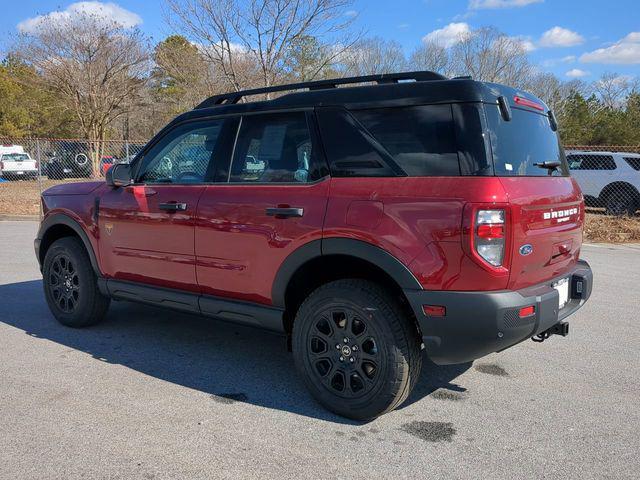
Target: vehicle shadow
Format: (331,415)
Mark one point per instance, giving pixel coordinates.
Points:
(228,362)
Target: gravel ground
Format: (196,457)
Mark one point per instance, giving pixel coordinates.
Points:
(155,394)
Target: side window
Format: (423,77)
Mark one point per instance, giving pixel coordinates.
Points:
(273,148)
(634,162)
(183,155)
(351,150)
(421,139)
(591,162)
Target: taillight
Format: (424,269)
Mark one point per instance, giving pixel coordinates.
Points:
(489,236)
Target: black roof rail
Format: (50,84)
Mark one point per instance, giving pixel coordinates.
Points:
(384,78)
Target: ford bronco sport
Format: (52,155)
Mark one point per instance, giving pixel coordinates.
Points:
(406,212)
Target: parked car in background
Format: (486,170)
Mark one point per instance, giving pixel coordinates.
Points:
(610,180)
(16,164)
(106,162)
(70,160)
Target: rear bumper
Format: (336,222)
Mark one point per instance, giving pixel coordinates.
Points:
(15,174)
(479,323)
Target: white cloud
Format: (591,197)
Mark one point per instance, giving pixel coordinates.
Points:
(623,52)
(552,62)
(560,37)
(351,13)
(448,36)
(525,42)
(576,73)
(491,4)
(107,12)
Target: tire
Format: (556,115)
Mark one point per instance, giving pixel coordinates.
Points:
(621,203)
(356,349)
(70,285)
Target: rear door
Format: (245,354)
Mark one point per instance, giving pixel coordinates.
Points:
(147,229)
(547,209)
(271,201)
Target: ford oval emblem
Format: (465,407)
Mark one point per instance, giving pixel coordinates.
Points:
(526,250)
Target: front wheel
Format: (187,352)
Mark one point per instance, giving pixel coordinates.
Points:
(70,284)
(356,349)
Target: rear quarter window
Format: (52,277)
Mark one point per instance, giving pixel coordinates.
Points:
(634,162)
(420,139)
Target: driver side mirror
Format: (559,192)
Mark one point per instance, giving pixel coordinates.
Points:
(119,175)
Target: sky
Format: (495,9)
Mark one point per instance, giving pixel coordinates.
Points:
(570,38)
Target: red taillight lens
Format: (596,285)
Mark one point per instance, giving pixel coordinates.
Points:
(434,310)
(527,311)
(489,236)
(490,231)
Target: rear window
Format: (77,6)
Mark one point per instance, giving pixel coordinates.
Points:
(590,162)
(15,157)
(634,162)
(519,144)
(420,139)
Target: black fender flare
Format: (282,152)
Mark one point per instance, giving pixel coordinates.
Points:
(340,246)
(62,219)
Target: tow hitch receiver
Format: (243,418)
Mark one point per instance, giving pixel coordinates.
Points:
(561,328)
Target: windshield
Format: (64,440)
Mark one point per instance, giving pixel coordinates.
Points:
(524,141)
(15,157)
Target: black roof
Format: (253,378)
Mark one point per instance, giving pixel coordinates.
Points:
(397,89)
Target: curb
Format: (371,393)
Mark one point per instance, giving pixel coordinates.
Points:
(20,218)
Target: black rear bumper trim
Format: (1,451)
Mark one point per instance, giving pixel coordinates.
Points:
(479,323)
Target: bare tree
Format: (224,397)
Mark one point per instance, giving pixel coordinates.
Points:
(250,41)
(555,92)
(488,55)
(614,89)
(432,56)
(372,56)
(97,67)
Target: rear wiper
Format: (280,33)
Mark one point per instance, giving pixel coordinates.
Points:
(551,166)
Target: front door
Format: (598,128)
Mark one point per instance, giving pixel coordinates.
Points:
(271,202)
(147,229)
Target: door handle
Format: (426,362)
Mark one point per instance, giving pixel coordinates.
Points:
(285,212)
(173,207)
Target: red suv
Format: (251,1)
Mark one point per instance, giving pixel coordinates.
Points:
(407,212)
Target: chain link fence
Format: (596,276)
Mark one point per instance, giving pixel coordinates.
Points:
(609,176)
(28,166)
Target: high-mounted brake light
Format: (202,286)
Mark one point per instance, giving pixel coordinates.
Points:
(489,236)
(528,103)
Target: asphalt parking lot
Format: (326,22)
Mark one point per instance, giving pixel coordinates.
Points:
(155,394)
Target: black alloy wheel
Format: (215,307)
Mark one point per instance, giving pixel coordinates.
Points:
(64,284)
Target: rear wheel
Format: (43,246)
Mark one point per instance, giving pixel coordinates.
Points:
(357,351)
(621,203)
(70,284)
